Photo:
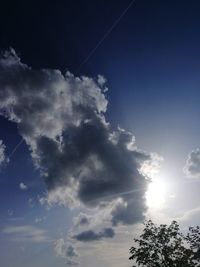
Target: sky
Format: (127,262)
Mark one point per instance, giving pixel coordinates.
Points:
(99,127)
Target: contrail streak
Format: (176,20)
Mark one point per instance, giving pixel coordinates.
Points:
(117,194)
(107,33)
(15,148)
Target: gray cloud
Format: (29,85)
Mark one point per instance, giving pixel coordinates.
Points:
(82,220)
(90,235)
(71,252)
(62,120)
(71,262)
(2,153)
(192,167)
(127,212)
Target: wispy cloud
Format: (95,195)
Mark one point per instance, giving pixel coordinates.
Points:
(190,216)
(26,233)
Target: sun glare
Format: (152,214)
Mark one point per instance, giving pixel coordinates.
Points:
(156,194)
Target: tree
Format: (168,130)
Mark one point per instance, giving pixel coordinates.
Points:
(166,246)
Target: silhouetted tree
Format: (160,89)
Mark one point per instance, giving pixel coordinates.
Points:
(166,246)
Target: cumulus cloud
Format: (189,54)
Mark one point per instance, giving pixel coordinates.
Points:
(152,166)
(90,235)
(127,212)
(192,167)
(71,252)
(82,159)
(26,233)
(22,186)
(68,252)
(2,153)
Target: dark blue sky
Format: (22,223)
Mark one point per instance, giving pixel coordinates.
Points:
(151,61)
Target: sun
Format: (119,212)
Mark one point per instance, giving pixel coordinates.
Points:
(156,194)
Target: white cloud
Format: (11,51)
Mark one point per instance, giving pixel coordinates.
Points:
(62,196)
(26,233)
(22,186)
(59,246)
(66,251)
(152,166)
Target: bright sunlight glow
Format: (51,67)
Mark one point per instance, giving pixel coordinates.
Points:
(156,194)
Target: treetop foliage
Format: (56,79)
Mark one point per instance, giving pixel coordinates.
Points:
(166,246)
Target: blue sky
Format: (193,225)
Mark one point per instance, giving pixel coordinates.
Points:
(80,139)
